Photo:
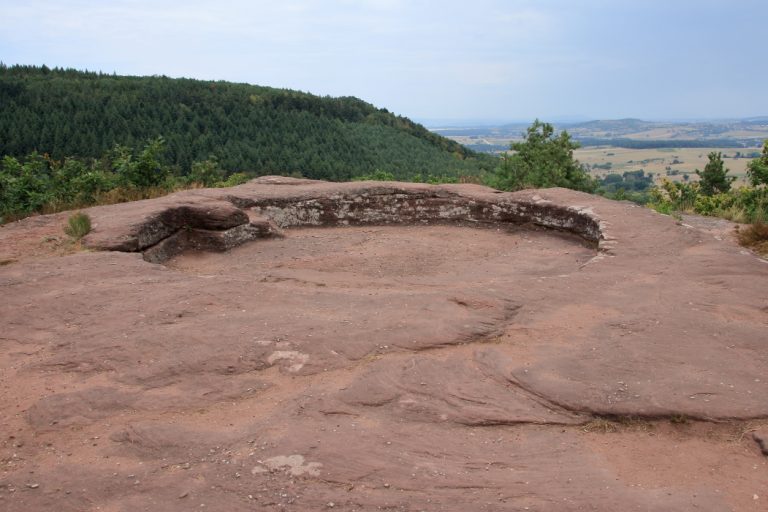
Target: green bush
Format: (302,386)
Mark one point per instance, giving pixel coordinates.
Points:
(543,159)
(142,170)
(237,178)
(714,178)
(674,196)
(207,173)
(78,225)
(40,184)
(744,204)
(376,175)
(709,205)
(757,169)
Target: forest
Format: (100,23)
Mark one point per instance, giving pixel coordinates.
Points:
(63,113)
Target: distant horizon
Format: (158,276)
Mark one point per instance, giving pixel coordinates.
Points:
(485,60)
(440,122)
(487,123)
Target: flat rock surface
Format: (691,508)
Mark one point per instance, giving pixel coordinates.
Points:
(445,366)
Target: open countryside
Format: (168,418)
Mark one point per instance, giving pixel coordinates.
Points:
(672,163)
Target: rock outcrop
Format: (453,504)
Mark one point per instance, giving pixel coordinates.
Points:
(218,220)
(381,346)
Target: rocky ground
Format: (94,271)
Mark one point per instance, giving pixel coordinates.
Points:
(471,358)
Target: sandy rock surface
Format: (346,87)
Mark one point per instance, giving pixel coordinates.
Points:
(298,345)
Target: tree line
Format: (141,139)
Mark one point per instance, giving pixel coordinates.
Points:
(69,113)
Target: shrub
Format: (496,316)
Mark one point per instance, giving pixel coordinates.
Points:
(543,159)
(237,178)
(674,196)
(40,184)
(714,178)
(207,173)
(744,204)
(78,225)
(757,169)
(377,175)
(733,213)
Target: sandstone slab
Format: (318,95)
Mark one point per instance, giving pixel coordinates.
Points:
(286,344)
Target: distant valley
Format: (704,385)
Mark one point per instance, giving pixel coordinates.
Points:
(624,133)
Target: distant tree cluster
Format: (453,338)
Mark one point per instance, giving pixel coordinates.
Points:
(658,144)
(637,181)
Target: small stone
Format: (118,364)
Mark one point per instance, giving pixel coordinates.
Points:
(184,494)
(33,486)
(331,504)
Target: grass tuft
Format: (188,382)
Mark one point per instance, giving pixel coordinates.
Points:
(78,225)
(601,425)
(734,214)
(755,237)
(679,419)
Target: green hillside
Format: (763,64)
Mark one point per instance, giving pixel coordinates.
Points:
(249,128)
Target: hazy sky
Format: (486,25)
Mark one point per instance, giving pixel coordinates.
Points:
(481,59)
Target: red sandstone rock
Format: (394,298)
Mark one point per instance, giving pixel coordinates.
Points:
(396,360)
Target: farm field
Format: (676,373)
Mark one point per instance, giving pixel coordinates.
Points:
(672,163)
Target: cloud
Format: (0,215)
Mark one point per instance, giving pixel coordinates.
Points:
(422,58)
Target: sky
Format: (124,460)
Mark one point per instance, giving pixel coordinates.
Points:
(434,61)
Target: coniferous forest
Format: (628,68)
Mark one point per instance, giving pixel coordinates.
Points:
(246,128)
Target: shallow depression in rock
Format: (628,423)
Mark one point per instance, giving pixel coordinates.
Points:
(322,296)
(415,254)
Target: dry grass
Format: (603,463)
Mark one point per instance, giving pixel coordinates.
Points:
(601,426)
(475,180)
(618,424)
(734,214)
(755,237)
(746,429)
(114,196)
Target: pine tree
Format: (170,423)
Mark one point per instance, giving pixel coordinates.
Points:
(714,179)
